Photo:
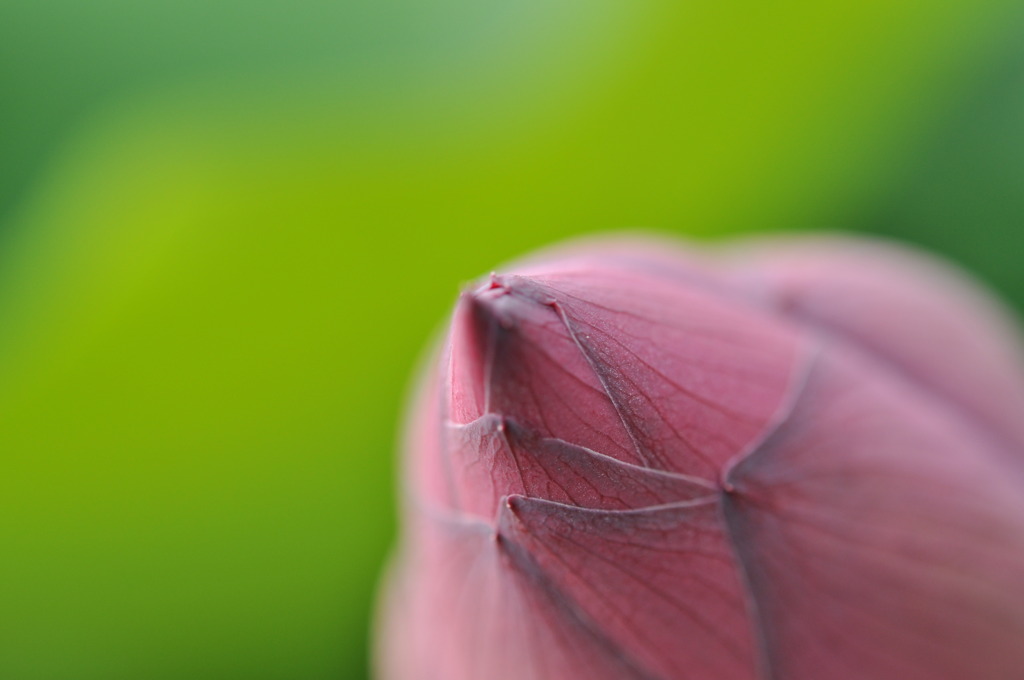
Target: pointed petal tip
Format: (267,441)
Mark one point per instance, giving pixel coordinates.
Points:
(508,517)
(489,327)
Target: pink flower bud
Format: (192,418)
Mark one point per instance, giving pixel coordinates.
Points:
(799,461)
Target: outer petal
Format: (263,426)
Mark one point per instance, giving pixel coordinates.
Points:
(467,605)
(882,537)
(922,318)
(662,582)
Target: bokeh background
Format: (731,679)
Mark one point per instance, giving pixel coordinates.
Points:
(227,229)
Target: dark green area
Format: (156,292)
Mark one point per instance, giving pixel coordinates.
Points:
(963,195)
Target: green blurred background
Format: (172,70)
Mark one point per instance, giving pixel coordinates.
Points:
(228,228)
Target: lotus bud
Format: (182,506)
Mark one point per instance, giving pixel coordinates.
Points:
(796,460)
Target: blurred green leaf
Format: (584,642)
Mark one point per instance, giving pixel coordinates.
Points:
(214,295)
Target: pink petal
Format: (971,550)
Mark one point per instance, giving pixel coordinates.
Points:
(471,606)
(661,582)
(923,319)
(881,539)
